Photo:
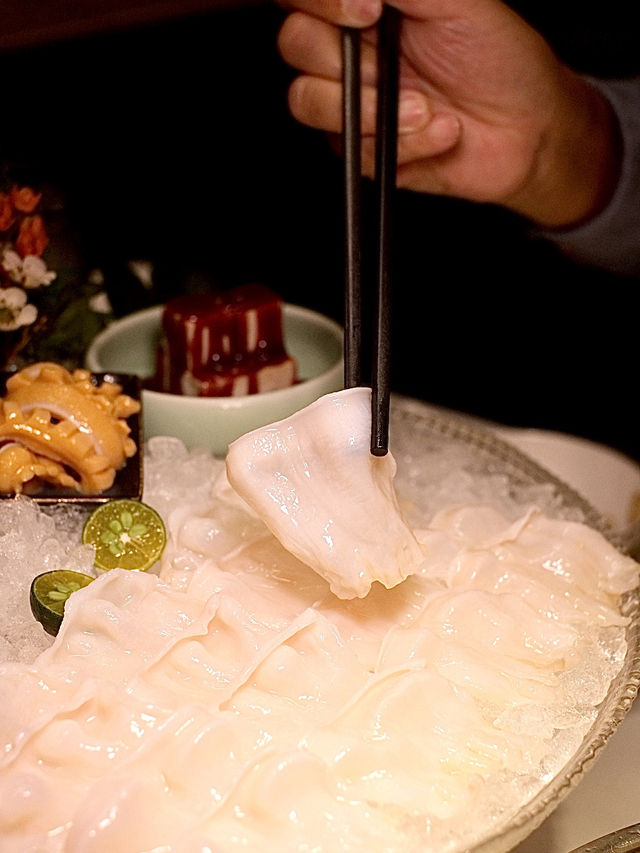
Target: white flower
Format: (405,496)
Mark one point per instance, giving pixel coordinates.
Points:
(35,272)
(12,264)
(99,303)
(30,272)
(14,309)
(96,277)
(143,271)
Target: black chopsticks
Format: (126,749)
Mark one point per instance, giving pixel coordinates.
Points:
(353,208)
(385,174)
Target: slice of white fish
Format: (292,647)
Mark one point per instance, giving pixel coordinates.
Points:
(312,480)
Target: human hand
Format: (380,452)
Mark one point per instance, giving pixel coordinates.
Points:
(487,112)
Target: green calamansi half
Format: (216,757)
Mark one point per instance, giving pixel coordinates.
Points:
(126,534)
(49,593)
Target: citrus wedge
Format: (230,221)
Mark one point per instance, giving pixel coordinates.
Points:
(126,534)
(49,593)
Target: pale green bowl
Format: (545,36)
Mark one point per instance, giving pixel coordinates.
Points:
(128,345)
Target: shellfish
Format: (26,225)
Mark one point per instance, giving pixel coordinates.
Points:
(58,426)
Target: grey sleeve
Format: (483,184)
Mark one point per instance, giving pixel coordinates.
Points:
(612,239)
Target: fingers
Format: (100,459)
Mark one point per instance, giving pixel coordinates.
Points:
(318,103)
(349,13)
(422,156)
(315,47)
(419,153)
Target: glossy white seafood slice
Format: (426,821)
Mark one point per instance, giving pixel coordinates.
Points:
(415,741)
(493,678)
(574,553)
(313,481)
(502,624)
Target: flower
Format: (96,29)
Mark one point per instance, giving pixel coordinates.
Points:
(100,303)
(32,238)
(7,213)
(30,272)
(24,199)
(45,314)
(11,263)
(35,273)
(14,309)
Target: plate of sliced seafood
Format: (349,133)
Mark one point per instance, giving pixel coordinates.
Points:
(421,651)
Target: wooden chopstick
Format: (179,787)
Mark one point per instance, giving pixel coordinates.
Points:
(386,164)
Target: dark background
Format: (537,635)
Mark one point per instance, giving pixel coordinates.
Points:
(172,142)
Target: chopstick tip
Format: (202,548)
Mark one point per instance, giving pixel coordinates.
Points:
(379,451)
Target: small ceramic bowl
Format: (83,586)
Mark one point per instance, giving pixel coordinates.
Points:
(129,345)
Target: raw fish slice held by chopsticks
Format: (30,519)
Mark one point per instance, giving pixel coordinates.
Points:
(330,502)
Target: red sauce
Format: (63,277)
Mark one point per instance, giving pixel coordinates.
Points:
(224,343)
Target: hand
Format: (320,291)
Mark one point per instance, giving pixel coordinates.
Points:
(487,112)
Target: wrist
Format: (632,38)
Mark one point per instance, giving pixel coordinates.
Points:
(578,162)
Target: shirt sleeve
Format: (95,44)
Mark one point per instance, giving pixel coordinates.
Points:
(611,240)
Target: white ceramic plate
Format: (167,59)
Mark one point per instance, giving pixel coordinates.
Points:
(608,479)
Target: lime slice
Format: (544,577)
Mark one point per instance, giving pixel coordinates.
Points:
(49,593)
(126,534)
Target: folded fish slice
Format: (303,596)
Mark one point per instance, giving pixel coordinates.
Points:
(313,481)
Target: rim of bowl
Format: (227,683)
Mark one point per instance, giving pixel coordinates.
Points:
(123,324)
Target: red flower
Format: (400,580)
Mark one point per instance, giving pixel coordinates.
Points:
(32,238)
(7,216)
(24,199)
